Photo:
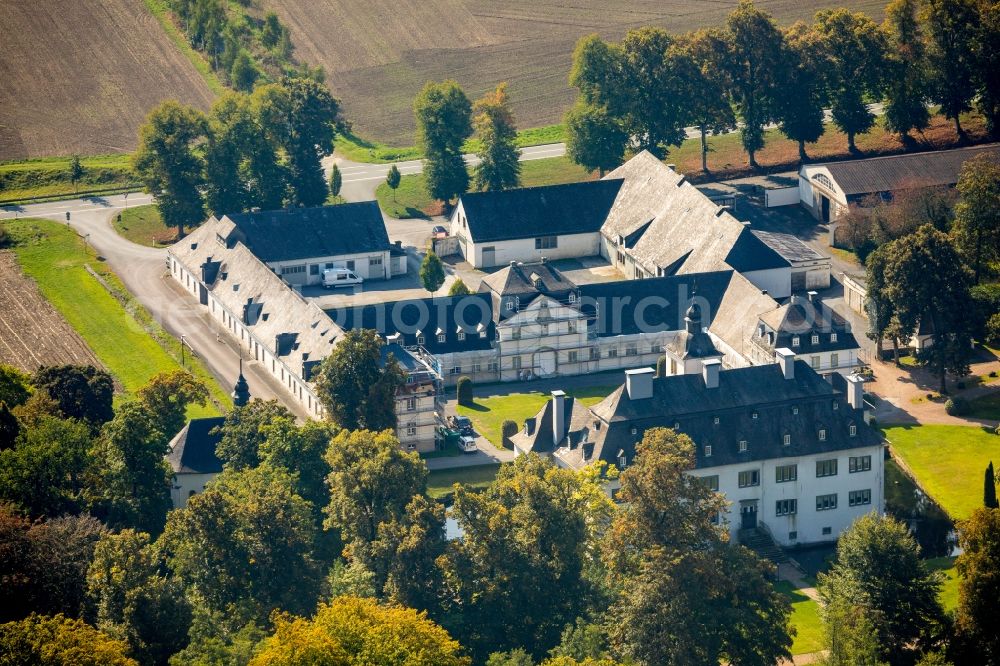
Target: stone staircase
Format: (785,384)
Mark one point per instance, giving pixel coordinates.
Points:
(760,542)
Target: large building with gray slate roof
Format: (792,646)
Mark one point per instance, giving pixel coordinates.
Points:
(789,449)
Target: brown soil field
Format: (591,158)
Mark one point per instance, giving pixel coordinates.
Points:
(79,76)
(379,53)
(32,333)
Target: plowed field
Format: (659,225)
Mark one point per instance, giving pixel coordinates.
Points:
(79,76)
(32,333)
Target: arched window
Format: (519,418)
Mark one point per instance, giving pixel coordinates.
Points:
(823,180)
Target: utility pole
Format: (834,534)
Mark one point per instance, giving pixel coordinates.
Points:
(182,352)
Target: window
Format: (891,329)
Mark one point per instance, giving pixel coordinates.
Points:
(755,415)
(826,467)
(510,305)
(852,430)
(411,429)
(834,360)
(793,536)
(622,460)
(595,353)
(786,440)
(546,242)
(815,339)
(822,434)
(795,411)
(482,335)
(786,507)
(477,368)
(743,446)
(441,337)
(572,297)
(314,269)
(491,366)
(715,420)
(461,335)
(859,464)
(292,270)
(826,502)
(833,337)
(516,362)
(814,362)
(457,370)
(374,261)
(515,334)
(545,329)
(795,341)
(350,264)
(411,404)
(613,352)
(827,531)
(785,473)
(751,477)
(420,339)
(836,405)
(708,450)
(631,350)
(572,357)
(859,497)
(571,327)
(712,482)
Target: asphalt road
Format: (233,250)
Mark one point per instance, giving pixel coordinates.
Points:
(143,271)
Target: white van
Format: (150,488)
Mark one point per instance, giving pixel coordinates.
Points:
(340,277)
(467,444)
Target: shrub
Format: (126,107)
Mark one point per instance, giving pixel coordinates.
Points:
(993,373)
(4,237)
(463,389)
(957,406)
(508,429)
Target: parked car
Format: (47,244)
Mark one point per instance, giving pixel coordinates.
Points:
(439,232)
(340,277)
(462,424)
(467,444)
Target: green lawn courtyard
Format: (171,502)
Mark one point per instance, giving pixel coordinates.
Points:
(440,482)
(805,618)
(948,462)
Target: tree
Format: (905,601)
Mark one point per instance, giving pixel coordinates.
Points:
(849,634)
(990,489)
(243,548)
(15,386)
(594,139)
(979,586)
(133,601)
(443,115)
(498,168)
(977,214)
(336,181)
(76,171)
(358,631)
(431,272)
(951,29)
(133,477)
(987,67)
(271,32)
(701,58)
(754,66)
(878,305)
(44,474)
(167,396)
(458,288)
(302,117)
(59,641)
(879,573)
(801,107)
(354,384)
(463,390)
(684,594)
(81,391)
(243,74)
(926,281)
(245,431)
(855,49)
(582,641)
(906,80)
(517,576)
(392,179)
(168,164)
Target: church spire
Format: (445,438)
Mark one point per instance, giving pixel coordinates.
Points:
(241,392)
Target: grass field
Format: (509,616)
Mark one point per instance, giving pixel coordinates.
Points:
(488,414)
(357,149)
(805,618)
(949,588)
(54,256)
(80,77)
(986,406)
(142,225)
(412,199)
(43,177)
(440,482)
(947,461)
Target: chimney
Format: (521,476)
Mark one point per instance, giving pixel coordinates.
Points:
(856,392)
(558,416)
(395,338)
(786,359)
(710,372)
(639,383)
(813,296)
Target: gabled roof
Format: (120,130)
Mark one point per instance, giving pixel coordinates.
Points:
(669,226)
(302,233)
(573,208)
(799,318)
(536,436)
(791,248)
(427,318)
(192,450)
(519,279)
(898,172)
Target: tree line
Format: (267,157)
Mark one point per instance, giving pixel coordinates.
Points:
(320,539)
(261,150)
(641,92)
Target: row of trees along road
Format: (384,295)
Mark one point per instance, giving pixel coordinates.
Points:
(261,150)
(643,91)
(320,539)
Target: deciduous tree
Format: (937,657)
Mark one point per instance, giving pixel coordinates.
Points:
(168,395)
(979,586)
(977,214)
(76,171)
(245,431)
(15,386)
(60,641)
(168,164)
(951,30)
(906,74)
(392,179)
(431,272)
(499,167)
(81,391)
(244,73)
(594,138)
(444,121)
(986,50)
(701,60)
(354,384)
(800,108)
(458,288)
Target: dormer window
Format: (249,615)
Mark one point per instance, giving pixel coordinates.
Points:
(572,297)
(635,430)
(754,415)
(420,339)
(743,446)
(786,440)
(815,339)
(715,420)
(510,305)
(441,337)
(461,335)
(853,430)
(677,425)
(622,460)
(482,335)
(822,434)
(795,411)
(836,405)
(795,341)
(708,450)
(833,337)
